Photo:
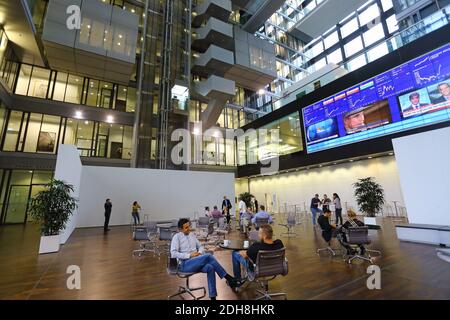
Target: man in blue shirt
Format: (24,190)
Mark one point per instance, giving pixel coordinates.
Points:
(262,214)
(191,257)
(315,202)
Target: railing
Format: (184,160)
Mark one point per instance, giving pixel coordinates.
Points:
(392,209)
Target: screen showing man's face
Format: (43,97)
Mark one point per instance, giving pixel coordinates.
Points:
(355,121)
(445,90)
(415,100)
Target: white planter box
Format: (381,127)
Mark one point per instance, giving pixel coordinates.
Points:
(370,221)
(49,244)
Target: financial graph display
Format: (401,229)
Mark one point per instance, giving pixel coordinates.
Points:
(409,96)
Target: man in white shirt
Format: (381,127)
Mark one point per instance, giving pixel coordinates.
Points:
(191,257)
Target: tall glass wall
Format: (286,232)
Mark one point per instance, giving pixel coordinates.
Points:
(60,86)
(40,133)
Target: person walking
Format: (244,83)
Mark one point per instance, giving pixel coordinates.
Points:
(108,209)
(135,213)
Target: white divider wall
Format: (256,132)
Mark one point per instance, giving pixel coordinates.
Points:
(163,194)
(68,169)
(423,163)
(299,187)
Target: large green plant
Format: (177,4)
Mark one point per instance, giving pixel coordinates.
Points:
(369,196)
(53,206)
(247,198)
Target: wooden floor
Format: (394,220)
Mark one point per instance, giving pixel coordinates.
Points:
(408,271)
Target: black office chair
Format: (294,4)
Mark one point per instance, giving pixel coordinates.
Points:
(172,269)
(268,265)
(261,221)
(356,237)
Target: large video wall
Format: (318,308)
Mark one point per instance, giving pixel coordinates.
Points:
(412,95)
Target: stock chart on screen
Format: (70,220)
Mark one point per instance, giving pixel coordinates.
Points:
(412,95)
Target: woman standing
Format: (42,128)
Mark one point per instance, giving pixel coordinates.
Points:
(135,213)
(337,208)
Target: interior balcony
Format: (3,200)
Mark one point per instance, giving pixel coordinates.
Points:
(219,9)
(215,32)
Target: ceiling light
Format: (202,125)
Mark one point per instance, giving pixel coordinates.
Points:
(78,114)
(109,119)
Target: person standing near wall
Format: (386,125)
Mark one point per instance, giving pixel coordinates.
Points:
(337,208)
(315,202)
(135,213)
(108,209)
(226,208)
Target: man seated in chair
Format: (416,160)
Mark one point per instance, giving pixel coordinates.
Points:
(191,258)
(262,214)
(266,243)
(351,222)
(247,215)
(329,230)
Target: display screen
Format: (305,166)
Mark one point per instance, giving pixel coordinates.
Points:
(412,95)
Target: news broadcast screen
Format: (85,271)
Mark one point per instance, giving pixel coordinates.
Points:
(412,95)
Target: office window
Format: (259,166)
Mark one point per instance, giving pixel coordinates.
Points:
(369,14)
(289,137)
(39,83)
(353,47)
(74,89)
(356,63)
(315,50)
(387,4)
(131,99)
(115,141)
(2,120)
(373,35)
(93,93)
(24,79)
(392,24)
(127,142)
(335,56)
(42,133)
(13,131)
(378,52)
(34,126)
(60,86)
(349,27)
(331,40)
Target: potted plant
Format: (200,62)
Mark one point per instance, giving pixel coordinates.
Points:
(247,198)
(370,198)
(52,208)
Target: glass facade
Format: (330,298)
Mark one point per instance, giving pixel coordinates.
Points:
(40,133)
(281,137)
(17,187)
(43,83)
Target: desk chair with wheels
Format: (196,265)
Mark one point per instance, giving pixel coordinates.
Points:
(327,236)
(172,269)
(268,265)
(291,222)
(147,239)
(165,236)
(261,221)
(356,237)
